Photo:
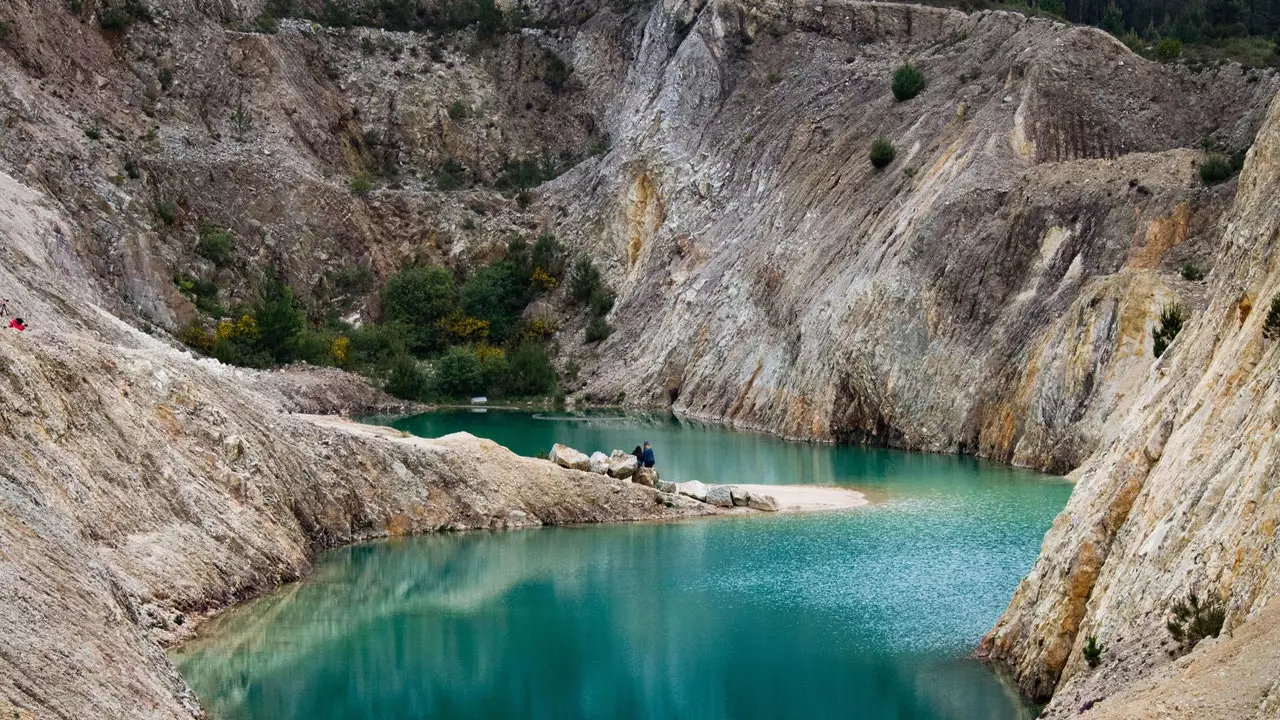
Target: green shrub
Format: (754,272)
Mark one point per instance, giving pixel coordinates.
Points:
(360,185)
(584,281)
(1092,651)
(1192,273)
(557,72)
(166,212)
(378,344)
(367,47)
(406,379)
(5,31)
(907,82)
(1168,49)
(526,173)
(498,293)
(451,175)
(1215,168)
(353,280)
(215,246)
(882,153)
(524,199)
(114,19)
(602,302)
(1171,320)
(93,132)
(279,319)
(1271,326)
(458,110)
(549,255)
(529,372)
(458,373)
(418,298)
(131,169)
(598,329)
(267,24)
(468,224)
(1193,620)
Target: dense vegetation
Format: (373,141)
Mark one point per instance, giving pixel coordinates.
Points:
(1199,30)
(440,336)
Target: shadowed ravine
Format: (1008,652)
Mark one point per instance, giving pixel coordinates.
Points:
(869,612)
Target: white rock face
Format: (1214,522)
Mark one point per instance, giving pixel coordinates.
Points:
(719,495)
(622,465)
(739,495)
(567,457)
(760,501)
(598,462)
(666,487)
(694,489)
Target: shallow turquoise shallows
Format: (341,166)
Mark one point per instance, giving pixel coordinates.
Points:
(868,613)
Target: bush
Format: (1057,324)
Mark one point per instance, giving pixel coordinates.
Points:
(215,246)
(166,212)
(598,329)
(93,132)
(131,169)
(418,298)
(113,19)
(1171,320)
(378,345)
(196,337)
(882,153)
(1194,619)
(602,302)
(529,372)
(1092,651)
(5,31)
(279,319)
(557,72)
(451,175)
(498,293)
(406,379)
(584,281)
(549,255)
(907,82)
(1271,326)
(458,373)
(1215,168)
(360,185)
(267,24)
(458,110)
(1168,49)
(1192,273)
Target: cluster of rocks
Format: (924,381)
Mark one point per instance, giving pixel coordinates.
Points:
(623,465)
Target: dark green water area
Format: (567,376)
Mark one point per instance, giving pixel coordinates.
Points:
(868,613)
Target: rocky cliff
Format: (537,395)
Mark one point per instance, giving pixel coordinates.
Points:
(991,291)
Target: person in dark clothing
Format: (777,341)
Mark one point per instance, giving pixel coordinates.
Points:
(647,459)
(639,453)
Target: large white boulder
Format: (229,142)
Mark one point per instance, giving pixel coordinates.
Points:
(760,501)
(599,462)
(694,489)
(622,465)
(740,496)
(666,487)
(565,456)
(720,495)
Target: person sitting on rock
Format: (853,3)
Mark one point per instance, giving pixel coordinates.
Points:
(639,453)
(647,455)
(17,324)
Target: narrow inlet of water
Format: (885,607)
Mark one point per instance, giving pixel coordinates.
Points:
(869,613)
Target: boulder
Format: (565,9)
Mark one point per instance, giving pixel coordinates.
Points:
(694,489)
(599,462)
(567,457)
(740,496)
(622,465)
(645,476)
(760,501)
(666,487)
(720,495)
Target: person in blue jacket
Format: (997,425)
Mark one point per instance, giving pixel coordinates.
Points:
(647,454)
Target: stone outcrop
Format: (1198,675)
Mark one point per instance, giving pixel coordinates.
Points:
(567,457)
(720,496)
(1183,498)
(645,476)
(762,501)
(599,463)
(622,464)
(692,488)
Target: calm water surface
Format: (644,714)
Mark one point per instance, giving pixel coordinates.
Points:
(861,614)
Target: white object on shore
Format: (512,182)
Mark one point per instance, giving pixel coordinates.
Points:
(479,400)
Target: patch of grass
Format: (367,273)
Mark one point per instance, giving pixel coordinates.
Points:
(1171,321)
(598,329)
(468,224)
(1215,168)
(360,185)
(1193,619)
(908,82)
(1168,50)
(458,111)
(215,245)
(166,212)
(882,153)
(113,19)
(557,72)
(165,77)
(368,46)
(267,24)
(1251,52)
(1092,651)
(5,31)
(1191,273)
(451,175)
(93,132)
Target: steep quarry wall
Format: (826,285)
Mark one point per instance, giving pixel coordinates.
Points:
(1184,497)
(991,291)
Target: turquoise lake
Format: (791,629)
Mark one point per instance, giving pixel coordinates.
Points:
(869,613)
